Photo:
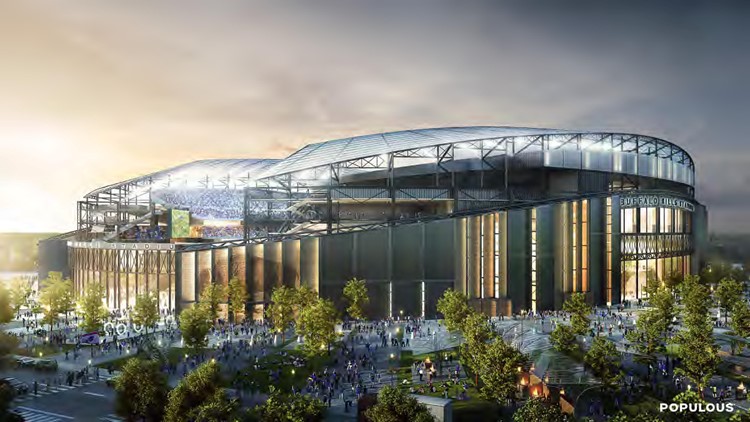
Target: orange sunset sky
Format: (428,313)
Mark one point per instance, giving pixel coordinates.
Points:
(95,91)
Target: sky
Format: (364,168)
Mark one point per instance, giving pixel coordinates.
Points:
(96,91)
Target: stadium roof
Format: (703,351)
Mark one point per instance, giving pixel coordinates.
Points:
(236,173)
(323,153)
(224,173)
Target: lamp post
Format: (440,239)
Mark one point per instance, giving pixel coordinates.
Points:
(391,359)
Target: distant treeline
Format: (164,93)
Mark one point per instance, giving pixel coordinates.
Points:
(732,248)
(18,251)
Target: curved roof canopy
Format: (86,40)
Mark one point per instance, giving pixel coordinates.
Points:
(236,173)
(226,173)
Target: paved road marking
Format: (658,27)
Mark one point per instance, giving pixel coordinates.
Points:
(29,409)
(94,394)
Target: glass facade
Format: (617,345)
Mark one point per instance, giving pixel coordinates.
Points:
(655,242)
(636,274)
(125,271)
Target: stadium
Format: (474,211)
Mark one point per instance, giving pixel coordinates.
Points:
(516,218)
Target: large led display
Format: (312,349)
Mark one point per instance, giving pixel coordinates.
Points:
(179,221)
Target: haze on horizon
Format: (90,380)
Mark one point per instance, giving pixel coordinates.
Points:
(101,91)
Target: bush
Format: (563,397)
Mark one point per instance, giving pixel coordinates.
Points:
(563,339)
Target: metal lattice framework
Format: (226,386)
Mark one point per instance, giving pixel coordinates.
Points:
(311,185)
(655,245)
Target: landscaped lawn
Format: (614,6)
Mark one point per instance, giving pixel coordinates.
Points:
(44,349)
(261,379)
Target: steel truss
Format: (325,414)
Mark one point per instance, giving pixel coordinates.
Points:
(314,195)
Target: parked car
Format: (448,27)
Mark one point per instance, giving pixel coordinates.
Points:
(46,365)
(24,361)
(19,387)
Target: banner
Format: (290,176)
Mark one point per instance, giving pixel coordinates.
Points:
(90,338)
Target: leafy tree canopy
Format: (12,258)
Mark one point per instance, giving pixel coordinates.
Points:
(355,293)
(199,396)
(579,312)
(455,309)
(539,410)
(317,323)
(194,324)
(395,405)
(141,391)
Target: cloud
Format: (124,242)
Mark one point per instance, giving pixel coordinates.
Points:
(133,87)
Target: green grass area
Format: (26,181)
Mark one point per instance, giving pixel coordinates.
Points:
(45,350)
(647,404)
(118,363)
(261,379)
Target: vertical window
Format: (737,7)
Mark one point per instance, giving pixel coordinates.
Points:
(423,301)
(481,257)
(584,245)
(652,219)
(628,220)
(390,298)
(533,259)
(574,248)
(608,251)
(496,245)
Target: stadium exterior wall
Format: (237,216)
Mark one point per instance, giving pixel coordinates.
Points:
(505,261)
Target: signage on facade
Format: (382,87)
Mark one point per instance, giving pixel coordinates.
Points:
(642,201)
(123,246)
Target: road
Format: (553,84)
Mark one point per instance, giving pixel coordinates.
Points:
(89,402)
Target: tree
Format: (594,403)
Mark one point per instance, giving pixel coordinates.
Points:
(141,391)
(287,408)
(603,359)
(579,313)
(647,338)
(690,397)
(654,324)
(539,410)
(6,305)
(740,323)
(194,324)
(56,297)
(498,371)
(477,334)
(20,291)
(563,339)
(455,309)
(698,352)
(355,293)
(8,346)
(715,271)
(317,323)
(200,396)
(91,306)
(395,405)
(237,295)
(7,394)
(146,311)
(303,297)
(640,417)
(728,293)
(673,280)
(212,296)
(281,309)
